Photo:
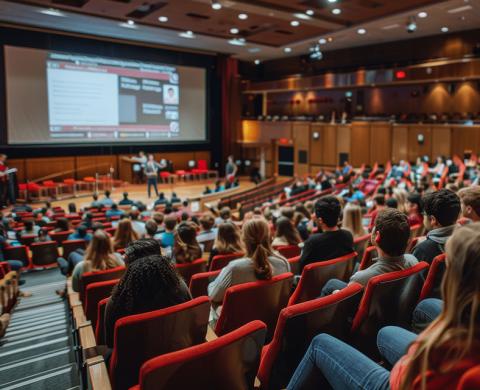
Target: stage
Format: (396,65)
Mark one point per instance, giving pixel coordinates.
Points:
(184,190)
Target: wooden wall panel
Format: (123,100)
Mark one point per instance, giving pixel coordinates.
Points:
(328,139)
(399,143)
(441,141)
(343,139)
(414,148)
(465,138)
(38,168)
(20,165)
(380,142)
(316,156)
(301,141)
(91,165)
(360,143)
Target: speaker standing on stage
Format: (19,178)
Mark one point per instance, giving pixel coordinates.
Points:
(231,169)
(151,172)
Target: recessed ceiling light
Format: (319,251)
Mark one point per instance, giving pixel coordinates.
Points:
(128,25)
(294,23)
(163,19)
(234,30)
(216,5)
(361,31)
(287,50)
(336,11)
(187,34)
(332,1)
(309,12)
(444,29)
(237,41)
(299,15)
(52,12)
(322,41)
(330,39)
(257,62)
(242,16)
(130,22)
(422,14)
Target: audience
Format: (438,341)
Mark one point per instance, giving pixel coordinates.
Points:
(331,242)
(228,241)
(352,220)
(186,248)
(151,229)
(80,233)
(207,232)
(124,235)
(285,233)
(441,209)
(470,202)
(106,201)
(125,201)
(63,225)
(415,209)
(137,224)
(114,211)
(161,200)
(29,229)
(149,283)
(167,238)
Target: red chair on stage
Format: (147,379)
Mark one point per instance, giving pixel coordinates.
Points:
(141,337)
(220,261)
(232,362)
(187,270)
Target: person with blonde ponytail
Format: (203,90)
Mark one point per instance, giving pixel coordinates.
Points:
(260,263)
(435,359)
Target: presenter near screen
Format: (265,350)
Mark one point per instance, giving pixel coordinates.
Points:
(231,169)
(151,170)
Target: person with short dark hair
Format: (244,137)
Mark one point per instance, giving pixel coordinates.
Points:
(391,203)
(63,225)
(81,233)
(441,209)
(161,200)
(167,237)
(29,228)
(175,198)
(114,211)
(207,232)
(331,242)
(125,201)
(150,229)
(107,201)
(225,215)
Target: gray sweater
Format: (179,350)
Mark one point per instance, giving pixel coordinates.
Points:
(242,271)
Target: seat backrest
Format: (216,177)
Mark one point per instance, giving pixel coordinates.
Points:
(270,297)
(360,243)
(100,327)
(17,253)
(44,253)
(295,265)
(141,337)
(28,239)
(367,257)
(188,269)
(389,299)
(315,275)
(98,276)
(220,261)
(228,362)
(199,283)
(94,293)
(431,287)
(59,237)
(298,325)
(70,246)
(470,380)
(288,251)
(202,164)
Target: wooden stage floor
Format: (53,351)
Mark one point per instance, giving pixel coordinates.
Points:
(183,190)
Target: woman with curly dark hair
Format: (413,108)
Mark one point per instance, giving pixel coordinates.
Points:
(150,283)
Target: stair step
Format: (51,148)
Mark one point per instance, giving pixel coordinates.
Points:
(34,350)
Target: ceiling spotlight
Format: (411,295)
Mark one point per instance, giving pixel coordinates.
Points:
(52,12)
(411,25)
(330,39)
(242,16)
(322,41)
(130,22)
(216,5)
(309,12)
(444,29)
(294,23)
(361,31)
(332,1)
(336,11)
(257,62)
(187,34)
(287,50)
(237,41)
(422,14)
(163,19)
(234,30)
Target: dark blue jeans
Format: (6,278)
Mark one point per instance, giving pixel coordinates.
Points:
(331,286)
(67,266)
(331,362)
(15,265)
(152,182)
(425,312)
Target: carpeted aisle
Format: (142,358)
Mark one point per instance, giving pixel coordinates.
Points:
(36,352)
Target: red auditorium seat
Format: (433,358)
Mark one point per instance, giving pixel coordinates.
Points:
(470,380)
(17,253)
(220,261)
(415,230)
(288,251)
(389,299)
(269,296)
(367,257)
(166,177)
(431,288)
(228,362)
(315,275)
(141,337)
(298,325)
(199,283)
(94,293)
(70,246)
(99,328)
(413,243)
(28,239)
(98,276)
(188,269)
(44,254)
(59,237)
(360,243)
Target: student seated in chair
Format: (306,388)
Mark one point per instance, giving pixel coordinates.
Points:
(390,235)
(436,359)
(332,242)
(470,198)
(186,248)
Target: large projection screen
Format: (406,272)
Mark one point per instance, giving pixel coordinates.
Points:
(57,98)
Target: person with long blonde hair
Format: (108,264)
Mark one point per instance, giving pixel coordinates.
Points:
(352,220)
(99,256)
(261,262)
(124,234)
(435,359)
(228,240)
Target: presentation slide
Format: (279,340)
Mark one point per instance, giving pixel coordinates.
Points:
(55,97)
